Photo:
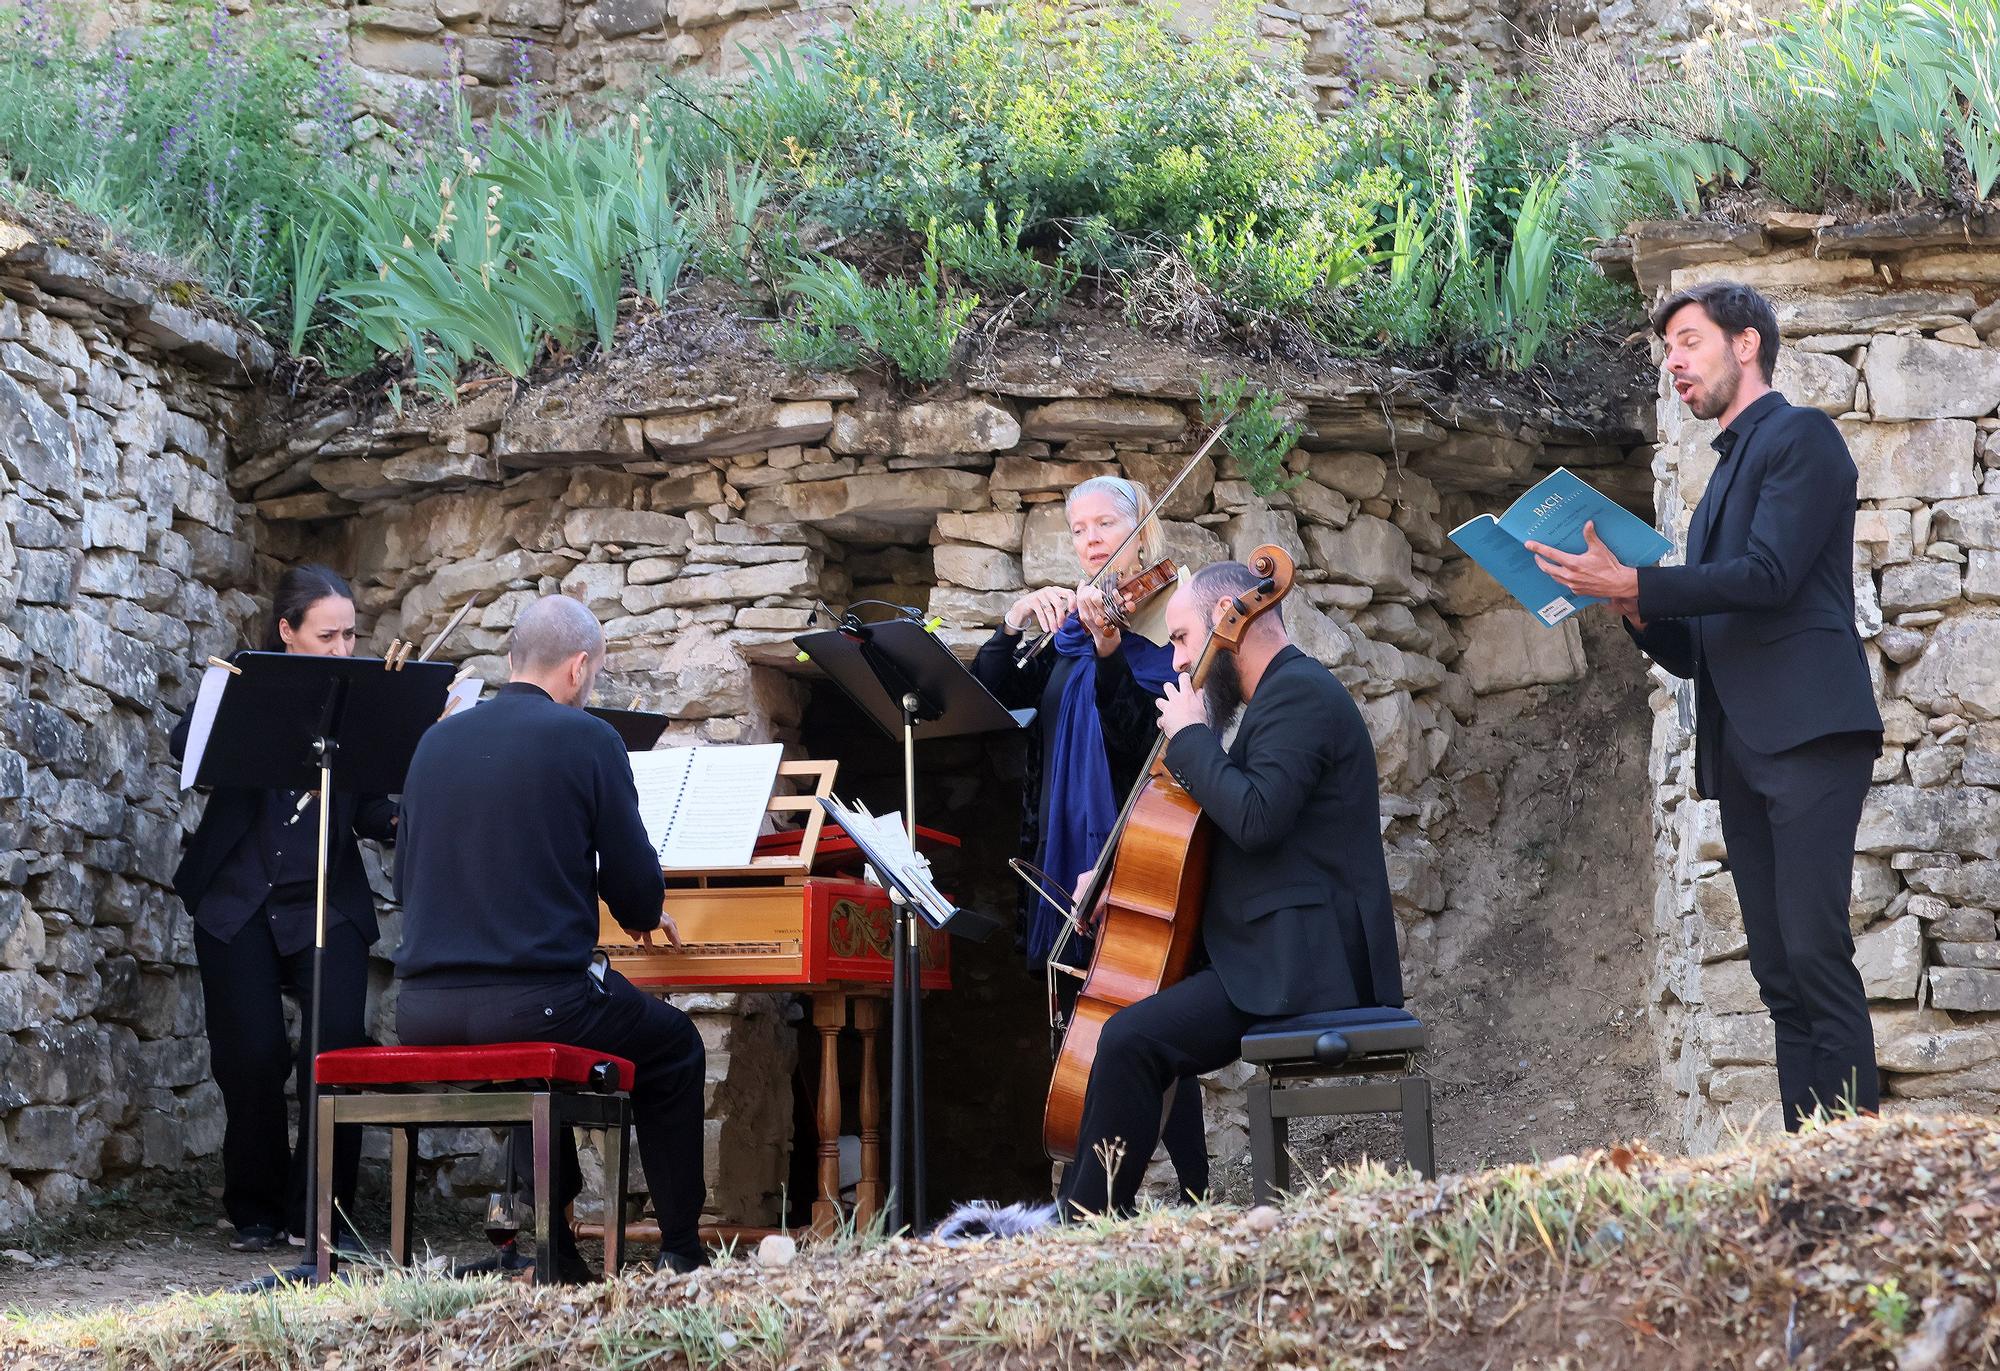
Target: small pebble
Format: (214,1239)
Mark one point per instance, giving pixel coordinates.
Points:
(1262,1219)
(776,1250)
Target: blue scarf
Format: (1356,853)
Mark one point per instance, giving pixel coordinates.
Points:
(1082,807)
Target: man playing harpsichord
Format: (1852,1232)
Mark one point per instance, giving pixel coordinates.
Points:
(517,817)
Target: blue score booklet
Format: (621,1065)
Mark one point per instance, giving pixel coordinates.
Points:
(1554,512)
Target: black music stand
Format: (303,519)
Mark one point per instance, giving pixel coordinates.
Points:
(637,729)
(295,721)
(900,675)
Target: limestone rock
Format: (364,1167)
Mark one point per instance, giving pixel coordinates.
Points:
(1254,528)
(1929,459)
(1885,534)
(1507,648)
(1919,585)
(856,505)
(1911,377)
(628,528)
(1891,959)
(991,528)
(745,427)
(1357,475)
(1854,312)
(623,18)
(940,428)
(1742,1040)
(1949,1050)
(1817,380)
(1973,522)
(1141,421)
(1965,990)
(977,568)
(1048,555)
(1369,551)
(1959,671)
(1729,988)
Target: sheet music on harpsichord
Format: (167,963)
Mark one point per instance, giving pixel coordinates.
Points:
(703,806)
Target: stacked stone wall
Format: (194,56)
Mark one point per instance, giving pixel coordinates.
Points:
(124,561)
(1891,328)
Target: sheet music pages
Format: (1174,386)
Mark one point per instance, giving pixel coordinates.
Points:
(888,846)
(703,806)
(201,720)
(463,695)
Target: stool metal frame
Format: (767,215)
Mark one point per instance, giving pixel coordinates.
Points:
(1361,1051)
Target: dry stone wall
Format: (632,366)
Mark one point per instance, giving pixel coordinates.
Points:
(124,559)
(1890,328)
(703,528)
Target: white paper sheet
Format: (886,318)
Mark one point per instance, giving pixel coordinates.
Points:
(704,806)
(891,845)
(463,695)
(201,720)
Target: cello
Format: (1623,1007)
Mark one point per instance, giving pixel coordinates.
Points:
(1151,878)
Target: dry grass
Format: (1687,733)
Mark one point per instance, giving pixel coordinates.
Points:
(1866,1244)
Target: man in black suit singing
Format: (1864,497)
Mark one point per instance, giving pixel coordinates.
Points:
(1297,916)
(517,817)
(1761,617)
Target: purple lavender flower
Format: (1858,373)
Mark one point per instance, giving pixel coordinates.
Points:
(328,106)
(525,109)
(102,105)
(38,27)
(1360,45)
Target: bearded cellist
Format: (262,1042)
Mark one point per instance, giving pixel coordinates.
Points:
(1297,916)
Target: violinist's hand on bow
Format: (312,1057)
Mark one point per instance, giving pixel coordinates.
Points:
(1182,705)
(1048,607)
(1095,612)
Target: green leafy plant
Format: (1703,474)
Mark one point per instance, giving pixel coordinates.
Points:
(1890,1306)
(1258,437)
(914,325)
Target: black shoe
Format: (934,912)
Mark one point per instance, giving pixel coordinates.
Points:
(679,1263)
(257,1237)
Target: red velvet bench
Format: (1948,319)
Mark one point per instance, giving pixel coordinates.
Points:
(547,1086)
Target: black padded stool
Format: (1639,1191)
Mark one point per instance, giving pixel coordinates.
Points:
(1315,1047)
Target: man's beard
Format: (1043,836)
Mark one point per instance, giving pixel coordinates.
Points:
(1716,400)
(1222,690)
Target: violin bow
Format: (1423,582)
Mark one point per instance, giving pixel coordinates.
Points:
(446,631)
(1028,653)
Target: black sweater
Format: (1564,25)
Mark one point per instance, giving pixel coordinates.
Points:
(516,817)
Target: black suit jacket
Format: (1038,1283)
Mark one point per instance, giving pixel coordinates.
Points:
(1298,916)
(232,816)
(1762,614)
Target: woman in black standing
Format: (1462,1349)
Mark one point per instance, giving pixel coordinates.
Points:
(1095,692)
(249,878)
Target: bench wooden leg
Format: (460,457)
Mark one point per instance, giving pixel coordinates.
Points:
(541,1125)
(1417,1149)
(402,1190)
(323,1207)
(616,1175)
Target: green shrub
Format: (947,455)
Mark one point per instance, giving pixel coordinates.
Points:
(913,325)
(1258,437)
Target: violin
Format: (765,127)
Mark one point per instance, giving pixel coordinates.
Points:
(1151,881)
(1154,579)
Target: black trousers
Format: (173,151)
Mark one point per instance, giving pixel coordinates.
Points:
(243,982)
(659,1041)
(1185,1135)
(1185,1030)
(1789,820)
